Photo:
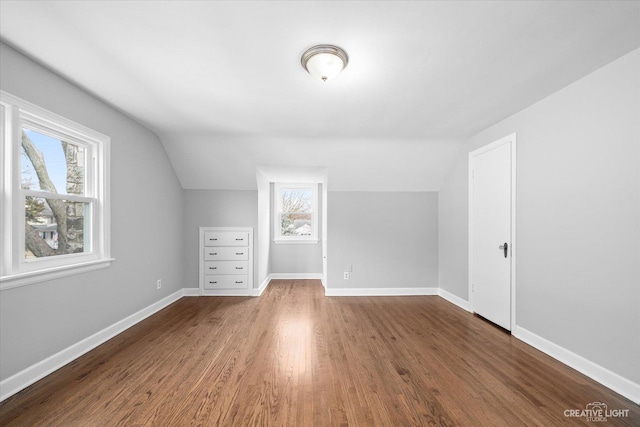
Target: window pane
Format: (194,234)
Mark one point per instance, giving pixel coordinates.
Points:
(55,227)
(296,224)
(296,200)
(49,164)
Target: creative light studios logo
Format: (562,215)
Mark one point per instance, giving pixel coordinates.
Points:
(596,412)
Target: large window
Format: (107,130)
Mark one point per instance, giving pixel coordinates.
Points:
(55,204)
(296,212)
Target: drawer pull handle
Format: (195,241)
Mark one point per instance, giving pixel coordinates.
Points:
(240,282)
(240,240)
(239,268)
(213,283)
(239,253)
(215,253)
(214,239)
(213,268)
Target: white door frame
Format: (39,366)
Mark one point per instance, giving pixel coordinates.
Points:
(509,139)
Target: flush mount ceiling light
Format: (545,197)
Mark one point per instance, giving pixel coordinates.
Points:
(324,61)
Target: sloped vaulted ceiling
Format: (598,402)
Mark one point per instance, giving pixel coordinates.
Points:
(221,83)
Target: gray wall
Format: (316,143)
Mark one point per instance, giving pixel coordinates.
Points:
(578,217)
(39,320)
(216,208)
(296,258)
(391,239)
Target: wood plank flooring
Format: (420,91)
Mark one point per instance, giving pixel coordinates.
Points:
(294,357)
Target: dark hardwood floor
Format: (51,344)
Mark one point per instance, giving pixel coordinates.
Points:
(293,357)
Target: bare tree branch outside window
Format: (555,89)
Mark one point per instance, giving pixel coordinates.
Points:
(296,215)
(53,226)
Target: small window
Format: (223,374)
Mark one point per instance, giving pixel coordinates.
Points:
(52,169)
(55,214)
(296,207)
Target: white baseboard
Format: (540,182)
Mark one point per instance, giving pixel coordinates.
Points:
(263,286)
(378,292)
(191,292)
(615,382)
(33,373)
(299,276)
(454,299)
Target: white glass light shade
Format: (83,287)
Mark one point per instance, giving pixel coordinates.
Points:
(324,62)
(324,66)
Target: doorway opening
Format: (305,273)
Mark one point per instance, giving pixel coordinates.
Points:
(303,240)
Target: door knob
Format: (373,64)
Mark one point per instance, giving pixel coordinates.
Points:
(504,248)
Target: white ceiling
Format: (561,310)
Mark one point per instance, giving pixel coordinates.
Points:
(221,83)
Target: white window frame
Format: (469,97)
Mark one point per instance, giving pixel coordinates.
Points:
(277,230)
(15,270)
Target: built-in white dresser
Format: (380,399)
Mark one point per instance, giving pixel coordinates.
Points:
(226,261)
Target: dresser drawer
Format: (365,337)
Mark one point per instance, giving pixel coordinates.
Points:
(226,238)
(225,281)
(226,267)
(226,254)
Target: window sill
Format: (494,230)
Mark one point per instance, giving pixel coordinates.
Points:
(29,278)
(296,242)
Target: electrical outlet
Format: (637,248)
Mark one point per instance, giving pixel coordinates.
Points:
(349,268)
(159,284)
(346,275)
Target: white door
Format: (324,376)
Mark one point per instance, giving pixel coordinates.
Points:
(324,233)
(491,231)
